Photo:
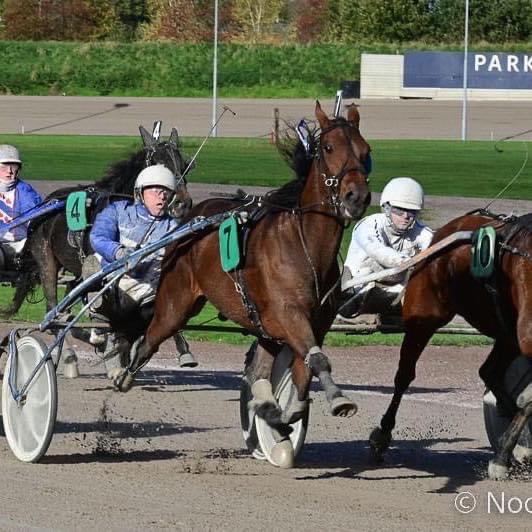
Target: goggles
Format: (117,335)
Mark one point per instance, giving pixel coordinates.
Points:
(157,190)
(408,213)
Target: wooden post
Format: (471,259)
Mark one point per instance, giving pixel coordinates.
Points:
(275,139)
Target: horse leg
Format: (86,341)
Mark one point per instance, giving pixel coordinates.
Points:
(309,361)
(414,342)
(320,367)
(48,269)
(163,325)
(498,467)
(258,372)
(492,373)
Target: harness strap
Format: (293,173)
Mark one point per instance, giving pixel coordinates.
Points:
(309,259)
(249,305)
(491,283)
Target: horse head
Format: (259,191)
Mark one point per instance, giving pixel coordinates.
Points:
(342,158)
(168,153)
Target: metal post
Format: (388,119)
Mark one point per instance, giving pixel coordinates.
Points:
(215,69)
(464,101)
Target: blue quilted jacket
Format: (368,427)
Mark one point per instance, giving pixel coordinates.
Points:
(26,197)
(123,224)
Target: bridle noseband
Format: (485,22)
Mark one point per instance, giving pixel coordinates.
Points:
(333,181)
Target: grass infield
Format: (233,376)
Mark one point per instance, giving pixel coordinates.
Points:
(448,168)
(34,312)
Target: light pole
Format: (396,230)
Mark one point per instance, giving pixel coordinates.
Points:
(215,69)
(464,101)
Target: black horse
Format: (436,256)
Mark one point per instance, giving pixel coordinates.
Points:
(51,245)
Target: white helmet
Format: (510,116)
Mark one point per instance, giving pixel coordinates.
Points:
(9,154)
(156,175)
(403,192)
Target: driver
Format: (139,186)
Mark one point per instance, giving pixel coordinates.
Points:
(16,197)
(381,241)
(123,227)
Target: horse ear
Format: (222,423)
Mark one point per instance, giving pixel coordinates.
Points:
(323,119)
(174,137)
(147,137)
(353,115)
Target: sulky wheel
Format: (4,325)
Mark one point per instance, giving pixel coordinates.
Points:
(29,424)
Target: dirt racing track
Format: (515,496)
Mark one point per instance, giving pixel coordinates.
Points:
(170,454)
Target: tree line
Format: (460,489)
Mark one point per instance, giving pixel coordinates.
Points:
(266,21)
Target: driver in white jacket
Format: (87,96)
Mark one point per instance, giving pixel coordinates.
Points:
(383,241)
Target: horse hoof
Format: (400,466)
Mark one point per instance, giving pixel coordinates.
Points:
(97,337)
(497,471)
(123,382)
(379,441)
(282,454)
(522,454)
(114,373)
(343,407)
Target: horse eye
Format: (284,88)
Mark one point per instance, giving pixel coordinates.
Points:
(328,148)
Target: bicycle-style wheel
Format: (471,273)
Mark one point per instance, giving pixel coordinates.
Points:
(29,424)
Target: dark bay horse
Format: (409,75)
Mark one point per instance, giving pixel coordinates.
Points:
(51,246)
(499,306)
(290,265)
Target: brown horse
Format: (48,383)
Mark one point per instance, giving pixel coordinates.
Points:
(499,306)
(290,265)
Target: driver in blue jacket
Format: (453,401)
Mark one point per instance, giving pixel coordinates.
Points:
(16,197)
(123,227)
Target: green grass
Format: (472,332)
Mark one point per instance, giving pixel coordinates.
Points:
(444,167)
(448,168)
(34,312)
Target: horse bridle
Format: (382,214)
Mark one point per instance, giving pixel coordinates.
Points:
(150,152)
(181,182)
(333,181)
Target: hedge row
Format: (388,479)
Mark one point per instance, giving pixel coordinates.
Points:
(165,69)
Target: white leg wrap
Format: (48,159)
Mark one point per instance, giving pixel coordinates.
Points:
(262,390)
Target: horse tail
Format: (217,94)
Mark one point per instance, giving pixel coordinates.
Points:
(26,283)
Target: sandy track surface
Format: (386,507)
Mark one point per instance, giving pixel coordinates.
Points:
(169,454)
(380,119)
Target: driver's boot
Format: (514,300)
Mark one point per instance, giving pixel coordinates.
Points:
(351,303)
(185,357)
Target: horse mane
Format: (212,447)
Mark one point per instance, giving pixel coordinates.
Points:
(118,175)
(298,158)
(292,150)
